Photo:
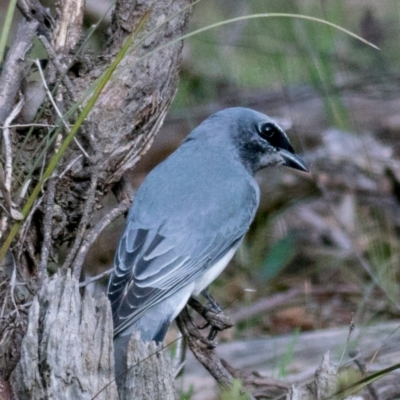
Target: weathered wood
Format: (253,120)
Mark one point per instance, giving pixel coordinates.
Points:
(132,106)
(149,373)
(13,68)
(204,350)
(33,10)
(69,27)
(257,361)
(67,352)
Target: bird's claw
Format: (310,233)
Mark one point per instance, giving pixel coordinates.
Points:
(216,319)
(204,326)
(213,334)
(212,305)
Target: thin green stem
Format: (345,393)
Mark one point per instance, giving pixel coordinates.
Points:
(6,28)
(56,158)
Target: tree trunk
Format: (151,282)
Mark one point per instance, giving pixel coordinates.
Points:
(67,352)
(149,372)
(56,341)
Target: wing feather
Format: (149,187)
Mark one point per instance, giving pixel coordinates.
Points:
(167,243)
(140,282)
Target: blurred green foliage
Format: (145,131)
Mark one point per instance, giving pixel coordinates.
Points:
(275,53)
(288,356)
(280,254)
(234,393)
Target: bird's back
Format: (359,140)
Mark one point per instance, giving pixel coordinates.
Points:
(203,189)
(188,214)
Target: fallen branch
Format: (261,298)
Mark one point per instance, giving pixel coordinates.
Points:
(204,351)
(287,298)
(10,79)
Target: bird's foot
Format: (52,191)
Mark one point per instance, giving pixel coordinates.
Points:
(215,319)
(212,305)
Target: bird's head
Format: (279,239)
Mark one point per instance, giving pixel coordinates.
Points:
(256,139)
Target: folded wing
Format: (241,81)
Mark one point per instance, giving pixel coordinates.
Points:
(150,267)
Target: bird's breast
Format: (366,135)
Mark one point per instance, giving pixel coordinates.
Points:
(212,273)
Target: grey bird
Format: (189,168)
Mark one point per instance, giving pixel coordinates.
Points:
(189,217)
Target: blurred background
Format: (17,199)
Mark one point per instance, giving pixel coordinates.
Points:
(332,233)
(326,242)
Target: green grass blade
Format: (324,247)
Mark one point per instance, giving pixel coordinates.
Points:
(256,16)
(56,158)
(357,386)
(6,28)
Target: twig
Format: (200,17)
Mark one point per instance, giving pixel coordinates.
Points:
(69,166)
(201,350)
(13,282)
(285,298)
(50,96)
(33,10)
(94,234)
(25,226)
(23,191)
(6,175)
(351,329)
(7,143)
(96,278)
(25,305)
(82,226)
(3,308)
(265,305)
(30,126)
(48,220)
(178,362)
(204,354)
(360,363)
(217,320)
(60,69)
(31,251)
(10,79)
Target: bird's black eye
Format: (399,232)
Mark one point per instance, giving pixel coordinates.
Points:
(274,136)
(267,130)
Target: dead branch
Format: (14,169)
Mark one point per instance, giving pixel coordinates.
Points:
(90,201)
(6,175)
(68,30)
(32,10)
(62,324)
(216,320)
(291,296)
(94,234)
(48,220)
(204,351)
(10,78)
(71,337)
(148,372)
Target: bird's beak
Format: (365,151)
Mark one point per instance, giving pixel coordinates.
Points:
(293,160)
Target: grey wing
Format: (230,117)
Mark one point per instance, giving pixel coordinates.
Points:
(150,267)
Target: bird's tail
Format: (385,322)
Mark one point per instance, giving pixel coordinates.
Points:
(148,329)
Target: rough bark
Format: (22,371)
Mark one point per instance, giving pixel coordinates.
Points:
(67,348)
(254,363)
(204,350)
(14,67)
(149,372)
(67,352)
(134,103)
(324,385)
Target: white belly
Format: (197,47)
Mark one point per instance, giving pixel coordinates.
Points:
(211,274)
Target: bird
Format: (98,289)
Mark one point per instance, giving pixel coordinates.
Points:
(188,218)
